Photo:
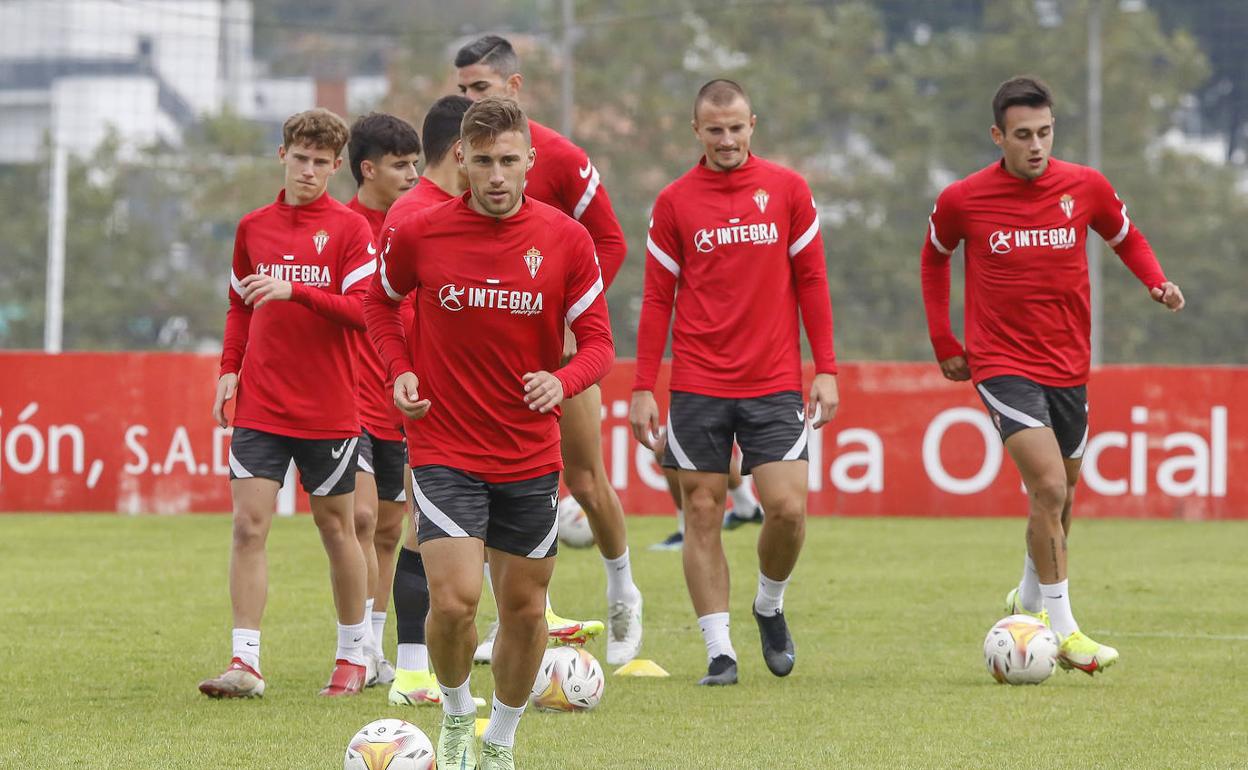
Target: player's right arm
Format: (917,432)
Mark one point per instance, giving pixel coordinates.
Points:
(944,232)
(237,329)
(395,278)
(664,261)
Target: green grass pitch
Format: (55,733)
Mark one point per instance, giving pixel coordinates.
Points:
(109,622)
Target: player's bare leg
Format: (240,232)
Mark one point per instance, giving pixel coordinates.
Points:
(745,507)
(255,501)
(586,477)
(1049,480)
(334,517)
(783,489)
(365,517)
(706,569)
(521,584)
(454,566)
(674,541)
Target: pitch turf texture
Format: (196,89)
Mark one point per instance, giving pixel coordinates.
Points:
(110,622)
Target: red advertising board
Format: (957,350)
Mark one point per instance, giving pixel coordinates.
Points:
(131,432)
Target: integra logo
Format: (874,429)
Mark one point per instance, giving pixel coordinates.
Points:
(309,275)
(1004,241)
(706,239)
(456,298)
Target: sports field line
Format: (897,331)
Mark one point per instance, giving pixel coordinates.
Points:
(1172,635)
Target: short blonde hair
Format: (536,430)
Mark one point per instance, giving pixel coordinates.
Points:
(491,116)
(318,128)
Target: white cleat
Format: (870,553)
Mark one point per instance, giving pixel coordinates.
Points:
(371,659)
(385,671)
(623,632)
(485,650)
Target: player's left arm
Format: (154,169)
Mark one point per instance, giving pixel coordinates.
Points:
(585,313)
(344,304)
(1111,222)
(810,276)
(590,205)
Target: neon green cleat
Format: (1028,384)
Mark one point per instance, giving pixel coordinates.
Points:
(1085,653)
(457,743)
(1014,607)
(414,688)
(563,631)
(495,757)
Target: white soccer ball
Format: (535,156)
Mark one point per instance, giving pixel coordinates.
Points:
(574,524)
(569,679)
(1020,650)
(389,744)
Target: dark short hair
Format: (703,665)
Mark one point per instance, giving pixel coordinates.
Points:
(493,51)
(491,116)
(375,134)
(442,126)
(317,127)
(720,92)
(1023,90)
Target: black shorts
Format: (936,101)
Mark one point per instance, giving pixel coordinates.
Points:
(700,431)
(386,462)
(1016,403)
(517,517)
(322,462)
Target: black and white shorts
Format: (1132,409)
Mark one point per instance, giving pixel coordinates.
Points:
(1016,403)
(700,431)
(517,517)
(386,462)
(322,462)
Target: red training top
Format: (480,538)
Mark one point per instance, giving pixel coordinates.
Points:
(741,252)
(563,176)
(1028,311)
(494,296)
(294,359)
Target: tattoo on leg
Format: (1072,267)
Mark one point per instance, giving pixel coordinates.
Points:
(1053,545)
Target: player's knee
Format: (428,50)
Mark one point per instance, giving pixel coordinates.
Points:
(1049,495)
(790,511)
(522,611)
(249,531)
(454,607)
(365,519)
(582,483)
(386,535)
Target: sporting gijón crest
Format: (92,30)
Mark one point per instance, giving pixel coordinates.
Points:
(533,259)
(760,199)
(1067,203)
(320,239)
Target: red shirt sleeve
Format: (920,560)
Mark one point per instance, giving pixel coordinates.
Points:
(238,316)
(664,262)
(396,276)
(944,233)
(810,272)
(590,205)
(343,304)
(1110,221)
(585,312)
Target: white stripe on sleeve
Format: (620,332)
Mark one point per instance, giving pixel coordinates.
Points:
(588,196)
(236,285)
(385,281)
(587,299)
(936,241)
(1126,226)
(806,238)
(662,256)
(363,271)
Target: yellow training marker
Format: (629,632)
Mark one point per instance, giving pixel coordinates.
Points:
(640,667)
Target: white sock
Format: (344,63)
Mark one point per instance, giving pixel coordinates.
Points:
(770,598)
(351,641)
(620,585)
(743,499)
(370,644)
(413,657)
(680,521)
(715,633)
(501,731)
(1057,602)
(379,631)
(457,701)
(247,646)
(1029,587)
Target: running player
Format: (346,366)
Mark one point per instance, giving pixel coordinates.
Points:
(1024,221)
(443,180)
(298,278)
(564,177)
(500,275)
(383,152)
(734,245)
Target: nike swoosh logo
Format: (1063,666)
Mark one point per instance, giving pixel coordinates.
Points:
(357,639)
(585,172)
(253,644)
(336,453)
(801,416)
(372,250)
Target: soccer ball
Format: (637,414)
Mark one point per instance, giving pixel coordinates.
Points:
(1020,650)
(569,679)
(389,744)
(574,524)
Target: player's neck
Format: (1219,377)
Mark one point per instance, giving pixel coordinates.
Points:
(291,197)
(446,177)
(370,198)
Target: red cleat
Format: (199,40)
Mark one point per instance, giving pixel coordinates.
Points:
(348,679)
(239,680)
